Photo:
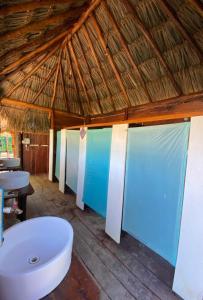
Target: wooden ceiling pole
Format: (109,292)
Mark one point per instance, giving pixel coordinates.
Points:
(74,80)
(89,70)
(33,70)
(99,66)
(44,84)
(79,74)
(154,46)
(110,59)
(125,47)
(56,80)
(64,90)
(169,12)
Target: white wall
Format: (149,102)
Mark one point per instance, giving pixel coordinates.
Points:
(188,280)
(116,181)
(62,173)
(81,168)
(51,153)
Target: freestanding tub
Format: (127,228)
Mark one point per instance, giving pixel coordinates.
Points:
(34,258)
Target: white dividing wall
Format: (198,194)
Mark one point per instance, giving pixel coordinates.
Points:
(188,280)
(51,153)
(62,173)
(116,181)
(81,167)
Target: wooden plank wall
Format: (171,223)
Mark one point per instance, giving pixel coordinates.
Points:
(36,155)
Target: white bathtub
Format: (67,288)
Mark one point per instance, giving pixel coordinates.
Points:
(34,258)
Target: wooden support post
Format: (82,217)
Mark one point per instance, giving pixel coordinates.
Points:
(110,59)
(90,44)
(79,74)
(89,70)
(154,46)
(125,47)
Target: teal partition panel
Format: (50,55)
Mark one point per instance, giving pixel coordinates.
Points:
(97,169)
(1,215)
(154,186)
(58,149)
(72,156)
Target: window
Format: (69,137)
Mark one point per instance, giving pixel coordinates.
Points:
(6,147)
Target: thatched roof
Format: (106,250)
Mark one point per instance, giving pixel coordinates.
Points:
(121,54)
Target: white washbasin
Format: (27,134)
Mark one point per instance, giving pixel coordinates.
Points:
(10,162)
(14,180)
(34,258)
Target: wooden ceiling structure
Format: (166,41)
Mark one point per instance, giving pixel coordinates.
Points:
(101,61)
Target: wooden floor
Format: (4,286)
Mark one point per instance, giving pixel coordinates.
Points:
(122,272)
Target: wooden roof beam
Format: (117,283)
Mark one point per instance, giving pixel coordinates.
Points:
(56,80)
(41,62)
(154,46)
(89,70)
(169,12)
(63,86)
(79,73)
(22,104)
(74,80)
(99,66)
(110,59)
(125,47)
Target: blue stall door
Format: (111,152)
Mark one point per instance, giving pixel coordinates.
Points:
(58,150)
(97,169)
(72,156)
(154,186)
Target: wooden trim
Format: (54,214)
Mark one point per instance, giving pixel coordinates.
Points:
(90,44)
(56,80)
(74,80)
(110,59)
(125,47)
(79,73)
(89,70)
(33,70)
(22,104)
(63,86)
(154,46)
(173,109)
(172,15)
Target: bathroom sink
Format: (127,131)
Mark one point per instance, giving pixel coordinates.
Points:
(10,162)
(14,180)
(34,258)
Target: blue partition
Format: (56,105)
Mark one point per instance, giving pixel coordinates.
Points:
(97,169)
(58,150)
(72,156)
(154,186)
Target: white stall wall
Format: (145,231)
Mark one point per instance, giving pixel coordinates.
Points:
(51,153)
(62,172)
(116,181)
(81,167)
(188,280)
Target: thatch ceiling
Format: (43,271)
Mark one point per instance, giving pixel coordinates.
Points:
(125,54)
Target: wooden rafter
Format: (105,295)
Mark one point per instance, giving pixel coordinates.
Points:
(99,66)
(198,5)
(79,73)
(44,84)
(56,80)
(154,46)
(64,90)
(89,71)
(125,47)
(74,80)
(41,62)
(22,104)
(169,12)
(110,59)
